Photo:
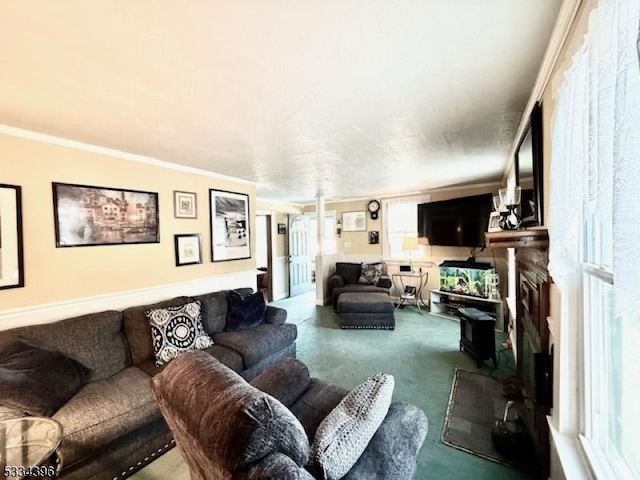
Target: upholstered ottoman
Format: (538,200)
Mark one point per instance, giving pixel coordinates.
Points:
(366,310)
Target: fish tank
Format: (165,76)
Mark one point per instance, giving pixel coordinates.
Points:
(475,279)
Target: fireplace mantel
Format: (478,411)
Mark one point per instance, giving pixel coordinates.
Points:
(533,359)
(532,238)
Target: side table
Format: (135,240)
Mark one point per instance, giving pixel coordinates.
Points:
(409,293)
(28,448)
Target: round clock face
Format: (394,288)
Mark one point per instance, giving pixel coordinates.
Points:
(373,206)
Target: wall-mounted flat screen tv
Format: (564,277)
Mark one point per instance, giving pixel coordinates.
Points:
(459,222)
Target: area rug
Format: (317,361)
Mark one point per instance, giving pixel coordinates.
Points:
(475,403)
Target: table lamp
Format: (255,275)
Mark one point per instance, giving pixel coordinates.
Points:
(410,244)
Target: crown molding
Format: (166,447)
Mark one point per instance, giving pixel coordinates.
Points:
(112,152)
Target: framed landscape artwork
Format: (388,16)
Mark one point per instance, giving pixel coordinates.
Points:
(229,222)
(188,249)
(89,216)
(184,205)
(11,246)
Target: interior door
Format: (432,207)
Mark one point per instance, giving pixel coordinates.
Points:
(299,258)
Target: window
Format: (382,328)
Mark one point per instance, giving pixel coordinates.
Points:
(400,221)
(329,234)
(594,235)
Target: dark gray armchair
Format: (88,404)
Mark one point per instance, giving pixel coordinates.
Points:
(227,428)
(347,278)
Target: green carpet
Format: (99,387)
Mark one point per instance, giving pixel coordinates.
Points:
(422,353)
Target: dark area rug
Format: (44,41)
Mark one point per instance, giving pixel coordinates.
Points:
(475,403)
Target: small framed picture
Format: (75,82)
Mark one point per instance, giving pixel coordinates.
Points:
(374,238)
(188,249)
(494,222)
(184,205)
(282,229)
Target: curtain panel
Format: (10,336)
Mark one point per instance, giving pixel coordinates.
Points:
(595,168)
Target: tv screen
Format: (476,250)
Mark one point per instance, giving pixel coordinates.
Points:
(459,222)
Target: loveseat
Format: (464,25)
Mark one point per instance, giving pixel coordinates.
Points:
(112,426)
(286,425)
(358,277)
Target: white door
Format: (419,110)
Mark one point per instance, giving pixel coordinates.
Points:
(299,258)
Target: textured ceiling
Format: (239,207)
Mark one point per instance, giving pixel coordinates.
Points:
(344,98)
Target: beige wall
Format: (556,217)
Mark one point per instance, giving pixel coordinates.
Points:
(356,244)
(54,274)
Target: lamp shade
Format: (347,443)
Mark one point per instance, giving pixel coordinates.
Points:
(423,240)
(410,243)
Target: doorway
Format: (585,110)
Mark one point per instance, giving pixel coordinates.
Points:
(264,256)
(300,264)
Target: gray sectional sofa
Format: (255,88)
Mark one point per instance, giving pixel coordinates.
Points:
(112,426)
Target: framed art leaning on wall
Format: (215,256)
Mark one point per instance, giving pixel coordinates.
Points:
(229,223)
(11,246)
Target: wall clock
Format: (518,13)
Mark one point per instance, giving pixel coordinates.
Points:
(374,207)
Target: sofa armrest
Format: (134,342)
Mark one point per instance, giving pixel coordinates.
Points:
(276,315)
(286,381)
(384,282)
(393,451)
(336,281)
(9,413)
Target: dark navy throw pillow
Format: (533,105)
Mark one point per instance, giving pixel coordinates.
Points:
(245,312)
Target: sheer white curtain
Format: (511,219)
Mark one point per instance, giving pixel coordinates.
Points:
(595,169)
(594,236)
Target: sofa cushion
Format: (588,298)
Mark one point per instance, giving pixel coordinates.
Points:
(176,330)
(95,340)
(286,381)
(357,287)
(104,411)
(245,312)
(345,433)
(138,330)
(349,271)
(226,356)
(214,310)
(315,404)
(277,466)
(259,342)
(370,273)
(26,372)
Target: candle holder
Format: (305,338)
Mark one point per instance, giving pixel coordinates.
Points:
(509,201)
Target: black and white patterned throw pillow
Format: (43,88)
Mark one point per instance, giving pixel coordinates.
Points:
(371,273)
(176,330)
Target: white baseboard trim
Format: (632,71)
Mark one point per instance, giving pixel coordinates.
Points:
(51,312)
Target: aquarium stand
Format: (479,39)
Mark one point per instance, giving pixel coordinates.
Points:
(446,304)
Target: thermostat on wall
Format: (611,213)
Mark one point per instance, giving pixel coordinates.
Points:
(404,268)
